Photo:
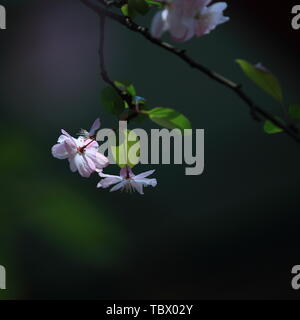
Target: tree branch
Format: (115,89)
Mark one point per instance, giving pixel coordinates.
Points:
(236,88)
(104,74)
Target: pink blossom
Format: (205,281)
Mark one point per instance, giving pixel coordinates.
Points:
(187,18)
(82,154)
(127,181)
(92,132)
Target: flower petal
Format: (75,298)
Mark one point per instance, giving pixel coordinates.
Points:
(82,166)
(103,175)
(65,133)
(70,146)
(159,24)
(73,167)
(137,186)
(62,138)
(107,182)
(90,163)
(96,126)
(147,182)
(118,186)
(144,174)
(99,159)
(59,151)
(210,18)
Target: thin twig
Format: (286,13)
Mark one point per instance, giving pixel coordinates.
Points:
(236,88)
(104,74)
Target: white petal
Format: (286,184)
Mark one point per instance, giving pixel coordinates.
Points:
(137,186)
(64,132)
(96,126)
(90,163)
(147,182)
(82,166)
(119,186)
(59,151)
(103,175)
(99,159)
(159,24)
(107,182)
(70,146)
(73,167)
(144,174)
(210,18)
(62,138)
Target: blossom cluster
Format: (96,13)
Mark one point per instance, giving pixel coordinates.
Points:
(185,19)
(84,156)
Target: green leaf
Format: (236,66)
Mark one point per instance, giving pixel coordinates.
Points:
(169,118)
(294,111)
(263,78)
(126,87)
(127,152)
(111,101)
(140,6)
(131,90)
(128,11)
(156,4)
(271,128)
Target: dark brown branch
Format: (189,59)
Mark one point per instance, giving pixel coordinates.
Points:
(236,88)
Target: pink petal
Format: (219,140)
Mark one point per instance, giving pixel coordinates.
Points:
(144,174)
(70,146)
(107,182)
(103,175)
(147,182)
(59,151)
(181,27)
(210,18)
(96,126)
(137,186)
(82,166)
(91,144)
(62,138)
(118,186)
(90,163)
(99,159)
(73,167)
(159,24)
(66,133)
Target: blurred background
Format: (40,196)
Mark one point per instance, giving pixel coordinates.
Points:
(231,233)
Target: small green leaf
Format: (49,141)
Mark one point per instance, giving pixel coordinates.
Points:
(131,90)
(140,6)
(271,128)
(128,11)
(156,4)
(294,111)
(127,152)
(169,118)
(111,101)
(263,78)
(126,87)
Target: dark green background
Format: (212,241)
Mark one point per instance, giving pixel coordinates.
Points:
(232,233)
